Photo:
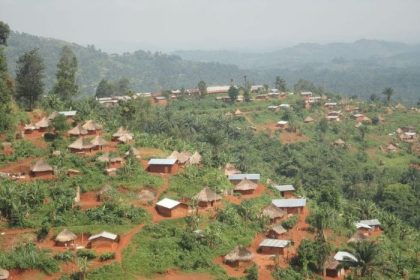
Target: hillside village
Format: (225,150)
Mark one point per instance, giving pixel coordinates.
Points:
(215,182)
(125,184)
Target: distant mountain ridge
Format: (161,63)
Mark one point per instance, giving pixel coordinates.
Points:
(362,68)
(305,53)
(146,71)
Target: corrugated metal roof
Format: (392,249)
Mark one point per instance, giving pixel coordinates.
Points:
(168,203)
(373,222)
(344,256)
(68,113)
(360,225)
(104,234)
(277,243)
(282,122)
(162,161)
(244,176)
(283,188)
(292,202)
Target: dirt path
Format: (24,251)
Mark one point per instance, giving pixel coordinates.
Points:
(125,241)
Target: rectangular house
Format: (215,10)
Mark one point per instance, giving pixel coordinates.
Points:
(162,165)
(273,246)
(291,206)
(286,191)
(168,207)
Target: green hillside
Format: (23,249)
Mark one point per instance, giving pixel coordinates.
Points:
(146,71)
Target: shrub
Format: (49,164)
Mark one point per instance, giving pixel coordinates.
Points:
(290,223)
(64,257)
(90,255)
(107,256)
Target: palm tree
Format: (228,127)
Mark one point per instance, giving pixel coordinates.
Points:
(366,209)
(366,253)
(321,220)
(83,265)
(388,92)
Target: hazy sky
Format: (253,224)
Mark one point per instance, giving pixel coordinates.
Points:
(126,25)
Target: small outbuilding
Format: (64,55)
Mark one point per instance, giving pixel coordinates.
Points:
(195,159)
(41,168)
(162,165)
(274,246)
(238,255)
(4,274)
(291,206)
(168,207)
(246,187)
(98,142)
(65,238)
(43,124)
(29,128)
(333,268)
(78,130)
(81,145)
(372,225)
(286,191)
(207,197)
(230,169)
(339,143)
(308,120)
(282,124)
(103,240)
(273,213)
(92,127)
(276,231)
(237,178)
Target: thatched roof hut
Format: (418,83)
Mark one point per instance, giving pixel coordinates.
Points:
(125,138)
(273,212)
(43,123)
(246,185)
(195,159)
(308,120)
(120,132)
(103,158)
(78,130)
(41,166)
(65,236)
(134,152)
(230,169)
(30,127)
(391,148)
(91,125)
(98,141)
(278,229)
(4,274)
(339,142)
(80,144)
(182,157)
(239,254)
(237,112)
(207,195)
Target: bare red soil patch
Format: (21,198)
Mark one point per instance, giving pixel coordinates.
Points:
(261,189)
(292,137)
(88,200)
(179,275)
(233,271)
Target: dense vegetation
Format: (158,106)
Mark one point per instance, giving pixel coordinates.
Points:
(342,183)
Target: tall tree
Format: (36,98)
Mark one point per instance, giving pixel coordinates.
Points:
(388,92)
(123,86)
(4,33)
(6,86)
(233,93)
(29,74)
(202,88)
(66,86)
(104,89)
(280,84)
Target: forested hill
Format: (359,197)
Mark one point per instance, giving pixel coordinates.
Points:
(361,68)
(146,71)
